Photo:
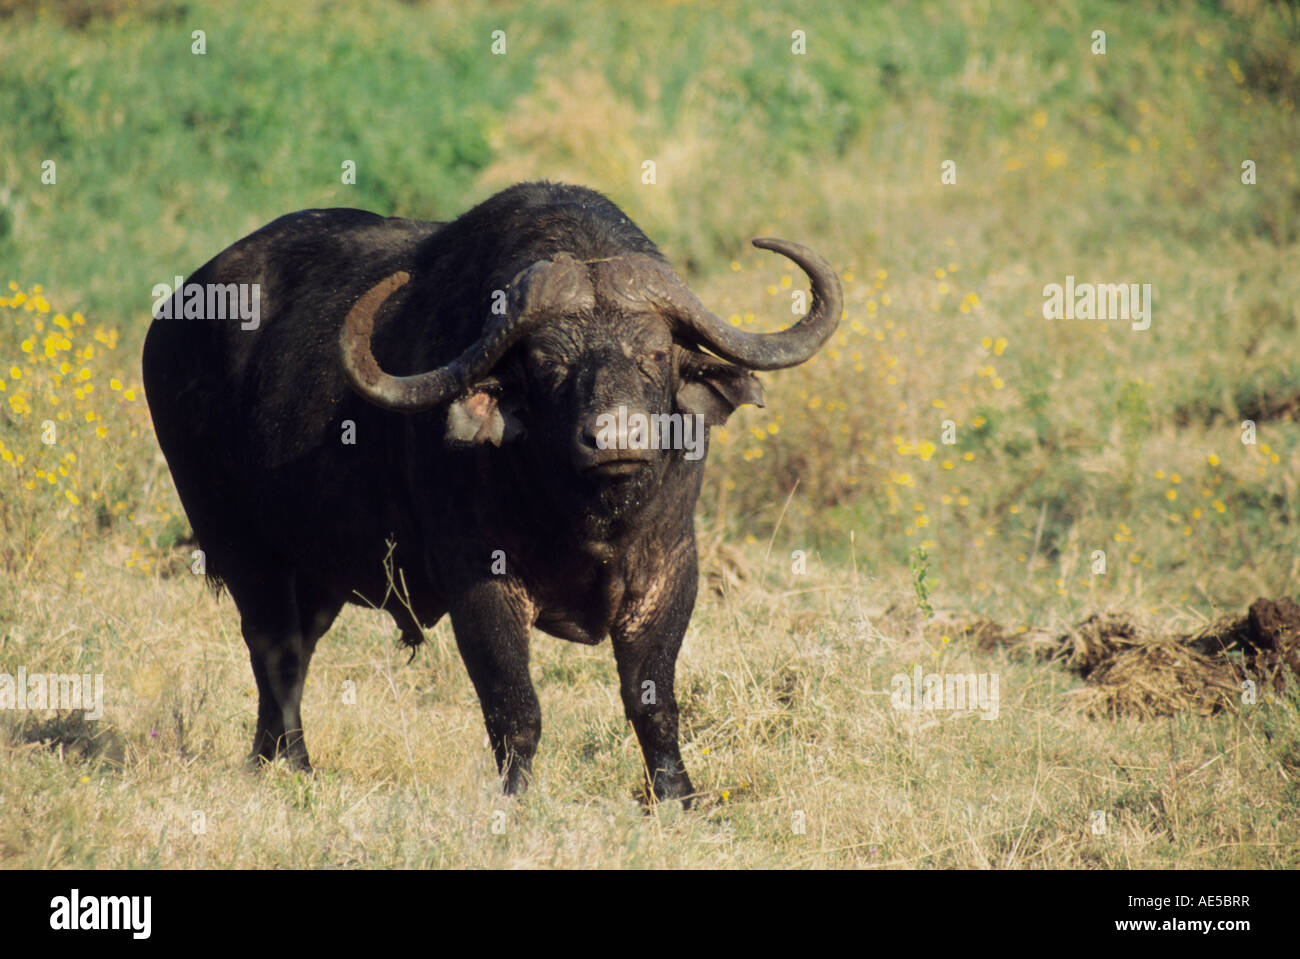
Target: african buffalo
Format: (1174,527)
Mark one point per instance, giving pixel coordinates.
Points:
(447,405)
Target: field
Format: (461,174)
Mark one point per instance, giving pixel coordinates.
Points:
(952,459)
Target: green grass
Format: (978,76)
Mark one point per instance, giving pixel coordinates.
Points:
(1071,436)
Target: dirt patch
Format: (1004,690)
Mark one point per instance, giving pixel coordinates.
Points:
(1132,671)
(1274,408)
(988,635)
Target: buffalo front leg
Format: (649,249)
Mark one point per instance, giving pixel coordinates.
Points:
(646,637)
(491,623)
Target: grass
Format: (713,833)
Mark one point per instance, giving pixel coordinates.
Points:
(1068,437)
(787,725)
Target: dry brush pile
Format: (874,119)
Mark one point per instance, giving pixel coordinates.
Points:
(1134,670)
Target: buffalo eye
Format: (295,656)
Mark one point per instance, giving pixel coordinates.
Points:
(652,364)
(547,365)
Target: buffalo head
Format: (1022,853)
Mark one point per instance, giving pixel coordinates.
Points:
(602,362)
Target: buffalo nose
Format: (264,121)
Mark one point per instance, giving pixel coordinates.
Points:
(589,434)
(620,435)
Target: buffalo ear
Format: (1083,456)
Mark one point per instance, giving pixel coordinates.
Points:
(714,388)
(482,416)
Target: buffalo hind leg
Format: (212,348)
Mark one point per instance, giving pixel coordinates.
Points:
(646,642)
(281,634)
(491,628)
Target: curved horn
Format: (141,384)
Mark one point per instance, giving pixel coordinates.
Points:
(764,351)
(543,290)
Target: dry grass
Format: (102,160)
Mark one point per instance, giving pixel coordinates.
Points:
(784,682)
